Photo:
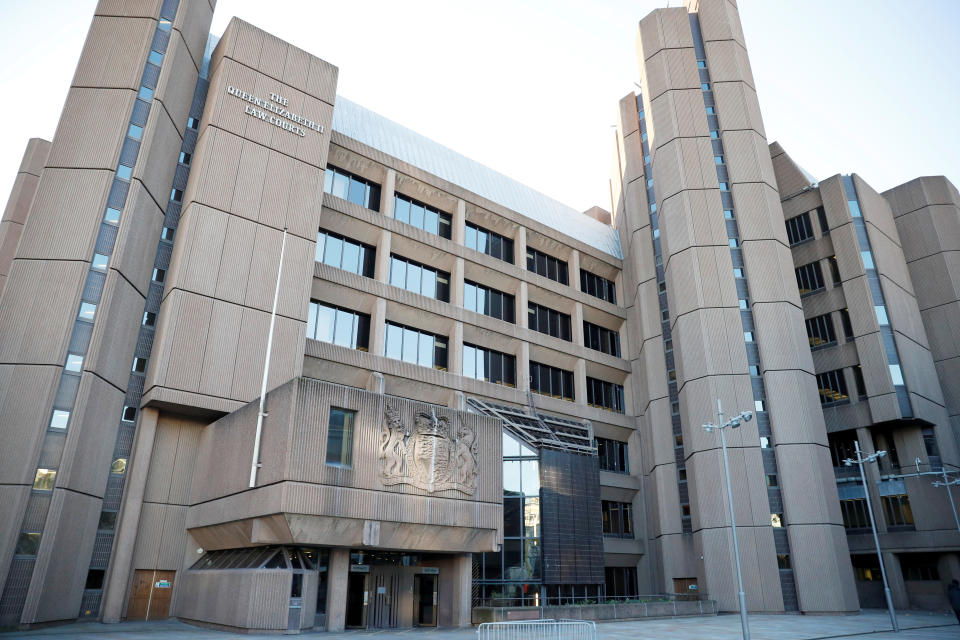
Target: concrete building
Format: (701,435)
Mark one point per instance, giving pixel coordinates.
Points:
(457,362)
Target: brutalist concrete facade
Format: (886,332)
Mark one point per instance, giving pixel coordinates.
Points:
(133,334)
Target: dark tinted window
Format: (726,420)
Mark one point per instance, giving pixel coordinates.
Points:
(613,455)
(336,325)
(799,229)
(487,301)
(486,364)
(422,216)
(345,253)
(601,339)
(594,285)
(419,278)
(809,278)
(546,320)
(547,266)
(605,395)
(357,190)
(415,346)
(489,242)
(551,381)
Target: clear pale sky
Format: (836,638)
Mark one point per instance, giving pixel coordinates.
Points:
(530,88)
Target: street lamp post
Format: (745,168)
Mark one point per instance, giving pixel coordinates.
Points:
(873,457)
(947,482)
(733,423)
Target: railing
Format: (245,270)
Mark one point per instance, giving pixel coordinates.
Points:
(538,630)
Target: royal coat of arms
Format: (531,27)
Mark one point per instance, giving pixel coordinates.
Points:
(432,456)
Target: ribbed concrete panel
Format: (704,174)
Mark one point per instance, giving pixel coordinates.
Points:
(70,532)
(240,599)
(220,354)
(658,443)
(761,581)
(719,21)
(692,219)
(25,393)
(15,500)
(903,313)
(708,492)
(813,569)
(808,498)
(876,210)
(669,69)
(919,370)
(791,178)
(86,142)
(769,266)
(115,333)
(664,512)
(929,231)
(650,371)
(129,8)
(944,335)
(781,337)
(114,53)
(51,234)
(738,108)
(133,255)
(39,306)
(93,430)
(677,113)
(698,406)
(696,281)
(193,25)
(759,216)
(18,205)
(835,205)
(684,163)
(748,158)
(728,62)
(157,160)
(709,342)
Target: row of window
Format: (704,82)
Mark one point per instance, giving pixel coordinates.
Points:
(800,230)
(612,455)
(821,332)
(896,511)
(366,193)
(419,278)
(617,519)
(832,386)
(489,302)
(546,320)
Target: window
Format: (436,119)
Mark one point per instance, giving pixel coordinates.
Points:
(95,579)
(701,64)
(896,509)
(176,195)
(758,406)
(847,325)
(167,234)
(613,455)
(422,216)
(488,242)
(854,513)
(919,566)
(149,319)
(87,311)
(27,544)
(799,229)
(489,302)
(867,258)
(355,189)
(74,362)
(728,214)
(820,331)
(834,271)
(135,132)
(866,567)
(724,186)
(340,437)
(748,336)
(419,278)
(99,262)
(772,480)
(139,365)
(617,519)
(809,278)
(833,387)
(594,285)
(705,86)
(184,158)
(335,325)
(620,582)
(108,521)
(733,242)
(129,414)
(551,381)
(193,123)
(601,339)
(783,561)
(44,479)
(159,275)
(605,395)
(776,520)
(344,253)
(548,321)
(881,313)
(111,215)
(415,346)
(717,159)
(858,378)
(822,219)
(119,466)
(854,208)
(155,57)
(547,266)
(931,446)
(711,111)
(59,419)
(486,364)
(124,172)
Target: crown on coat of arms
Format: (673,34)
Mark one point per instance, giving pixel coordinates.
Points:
(428,424)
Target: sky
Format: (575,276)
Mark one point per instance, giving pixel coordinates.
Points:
(530,87)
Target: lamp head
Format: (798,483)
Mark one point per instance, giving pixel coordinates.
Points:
(848,462)
(708,427)
(747,416)
(880,454)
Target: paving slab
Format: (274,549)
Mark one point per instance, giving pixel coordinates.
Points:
(873,624)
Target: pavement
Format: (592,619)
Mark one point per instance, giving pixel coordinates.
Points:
(873,624)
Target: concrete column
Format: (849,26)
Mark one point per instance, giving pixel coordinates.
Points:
(459,230)
(462,589)
(386,193)
(898,589)
(381,271)
(456,349)
(457,401)
(375,382)
(523,367)
(577,321)
(575,269)
(520,247)
(138,466)
(456,283)
(338,571)
(378,328)
(580,381)
(521,306)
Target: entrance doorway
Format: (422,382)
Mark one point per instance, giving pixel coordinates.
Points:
(150,595)
(356,601)
(425,600)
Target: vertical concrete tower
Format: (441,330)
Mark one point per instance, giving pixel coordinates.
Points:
(74,298)
(18,206)
(697,207)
